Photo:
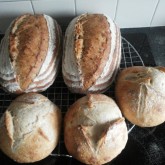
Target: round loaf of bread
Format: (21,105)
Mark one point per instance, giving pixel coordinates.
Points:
(140,93)
(30,128)
(92,53)
(30,54)
(94,130)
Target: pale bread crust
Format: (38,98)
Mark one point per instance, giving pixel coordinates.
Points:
(30,128)
(140,94)
(94,130)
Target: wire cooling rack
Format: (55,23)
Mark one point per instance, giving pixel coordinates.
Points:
(61,96)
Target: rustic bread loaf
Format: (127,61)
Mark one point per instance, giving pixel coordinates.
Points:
(30,128)
(94,130)
(140,93)
(30,54)
(92,53)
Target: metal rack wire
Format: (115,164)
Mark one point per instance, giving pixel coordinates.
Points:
(61,96)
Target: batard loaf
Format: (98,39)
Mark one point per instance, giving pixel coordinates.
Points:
(140,93)
(92,53)
(94,130)
(30,128)
(30,54)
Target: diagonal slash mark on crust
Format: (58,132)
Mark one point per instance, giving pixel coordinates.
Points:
(97,143)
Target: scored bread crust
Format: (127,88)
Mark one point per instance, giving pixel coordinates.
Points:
(94,130)
(30,128)
(92,47)
(28,44)
(140,93)
(32,61)
(103,82)
(51,65)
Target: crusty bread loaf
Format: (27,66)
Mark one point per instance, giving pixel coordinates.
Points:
(30,54)
(94,130)
(140,93)
(92,53)
(30,128)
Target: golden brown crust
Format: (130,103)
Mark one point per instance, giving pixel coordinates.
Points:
(140,96)
(28,46)
(116,58)
(91,137)
(92,46)
(161,68)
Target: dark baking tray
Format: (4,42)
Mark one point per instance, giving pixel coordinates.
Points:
(145,146)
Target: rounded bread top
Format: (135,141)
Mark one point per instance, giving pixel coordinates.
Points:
(140,93)
(94,130)
(28,45)
(30,128)
(96,108)
(30,54)
(90,42)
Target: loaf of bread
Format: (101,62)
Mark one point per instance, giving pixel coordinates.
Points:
(30,128)
(92,53)
(140,93)
(94,130)
(30,54)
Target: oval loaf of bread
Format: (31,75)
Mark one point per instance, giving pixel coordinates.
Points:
(30,54)
(140,93)
(94,130)
(30,128)
(92,53)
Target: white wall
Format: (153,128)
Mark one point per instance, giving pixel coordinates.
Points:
(126,13)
